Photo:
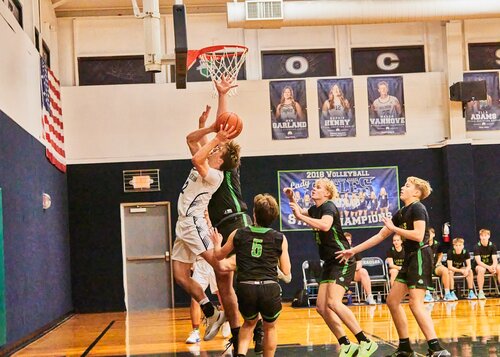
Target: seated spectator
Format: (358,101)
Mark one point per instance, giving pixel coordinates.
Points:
(395,257)
(458,261)
(361,275)
(439,270)
(486,258)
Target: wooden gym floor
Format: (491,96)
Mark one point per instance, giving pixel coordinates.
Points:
(466,328)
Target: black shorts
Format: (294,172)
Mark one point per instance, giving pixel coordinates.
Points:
(228,225)
(416,271)
(342,275)
(255,298)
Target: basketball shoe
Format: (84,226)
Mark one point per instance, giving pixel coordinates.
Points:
(348,350)
(214,323)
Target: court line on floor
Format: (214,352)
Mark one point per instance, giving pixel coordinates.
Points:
(97,339)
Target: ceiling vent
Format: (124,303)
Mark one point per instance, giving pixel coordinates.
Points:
(264,10)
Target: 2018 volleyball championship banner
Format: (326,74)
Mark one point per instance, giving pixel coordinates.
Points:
(365,195)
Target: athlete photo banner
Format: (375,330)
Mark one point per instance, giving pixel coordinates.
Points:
(386,106)
(482,115)
(365,195)
(336,108)
(288,109)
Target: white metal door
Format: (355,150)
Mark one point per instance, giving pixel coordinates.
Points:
(147,271)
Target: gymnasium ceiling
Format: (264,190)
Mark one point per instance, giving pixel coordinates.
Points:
(79,8)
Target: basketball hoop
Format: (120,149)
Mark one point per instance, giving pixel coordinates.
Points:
(219,61)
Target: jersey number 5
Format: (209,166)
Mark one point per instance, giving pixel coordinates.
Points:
(257,247)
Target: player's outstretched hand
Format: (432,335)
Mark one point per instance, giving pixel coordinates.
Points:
(204,116)
(289,193)
(344,255)
(215,236)
(225,133)
(388,223)
(282,276)
(296,209)
(224,85)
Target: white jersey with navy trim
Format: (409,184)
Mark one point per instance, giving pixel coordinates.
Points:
(386,107)
(197,191)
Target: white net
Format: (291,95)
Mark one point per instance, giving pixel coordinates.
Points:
(223,61)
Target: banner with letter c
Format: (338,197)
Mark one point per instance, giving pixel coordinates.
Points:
(365,195)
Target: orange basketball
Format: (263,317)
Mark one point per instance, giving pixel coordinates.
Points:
(232,120)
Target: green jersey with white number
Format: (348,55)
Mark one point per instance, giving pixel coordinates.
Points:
(258,250)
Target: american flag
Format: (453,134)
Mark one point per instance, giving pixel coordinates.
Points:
(53,128)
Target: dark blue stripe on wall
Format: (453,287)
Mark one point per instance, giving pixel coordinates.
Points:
(487,189)
(3,320)
(96,191)
(37,266)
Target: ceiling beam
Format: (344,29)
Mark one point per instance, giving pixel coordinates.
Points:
(56,4)
(124,11)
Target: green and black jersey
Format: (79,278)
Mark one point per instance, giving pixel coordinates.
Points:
(258,250)
(486,252)
(458,260)
(397,257)
(405,217)
(227,200)
(333,240)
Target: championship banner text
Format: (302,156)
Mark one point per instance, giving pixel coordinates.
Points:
(365,195)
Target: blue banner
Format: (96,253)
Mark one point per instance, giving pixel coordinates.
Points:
(288,110)
(388,60)
(365,195)
(298,63)
(386,101)
(484,114)
(484,56)
(336,108)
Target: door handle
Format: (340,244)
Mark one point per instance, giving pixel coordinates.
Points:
(167,256)
(145,257)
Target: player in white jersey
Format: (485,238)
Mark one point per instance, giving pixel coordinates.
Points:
(386,105)
(192,232)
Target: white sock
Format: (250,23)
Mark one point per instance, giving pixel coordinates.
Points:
(204,301)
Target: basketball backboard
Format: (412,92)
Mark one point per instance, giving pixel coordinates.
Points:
(181,47)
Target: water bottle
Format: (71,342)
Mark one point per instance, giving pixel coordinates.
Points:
(349,299)
(379,298)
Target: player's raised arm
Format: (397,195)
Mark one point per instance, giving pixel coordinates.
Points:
(220,252)
(202,121)
(223,87)
(344,255)
(196,139)
(323,224)
(293,204)
(199,159)
(285,267)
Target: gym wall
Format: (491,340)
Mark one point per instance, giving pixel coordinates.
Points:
(96,194)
